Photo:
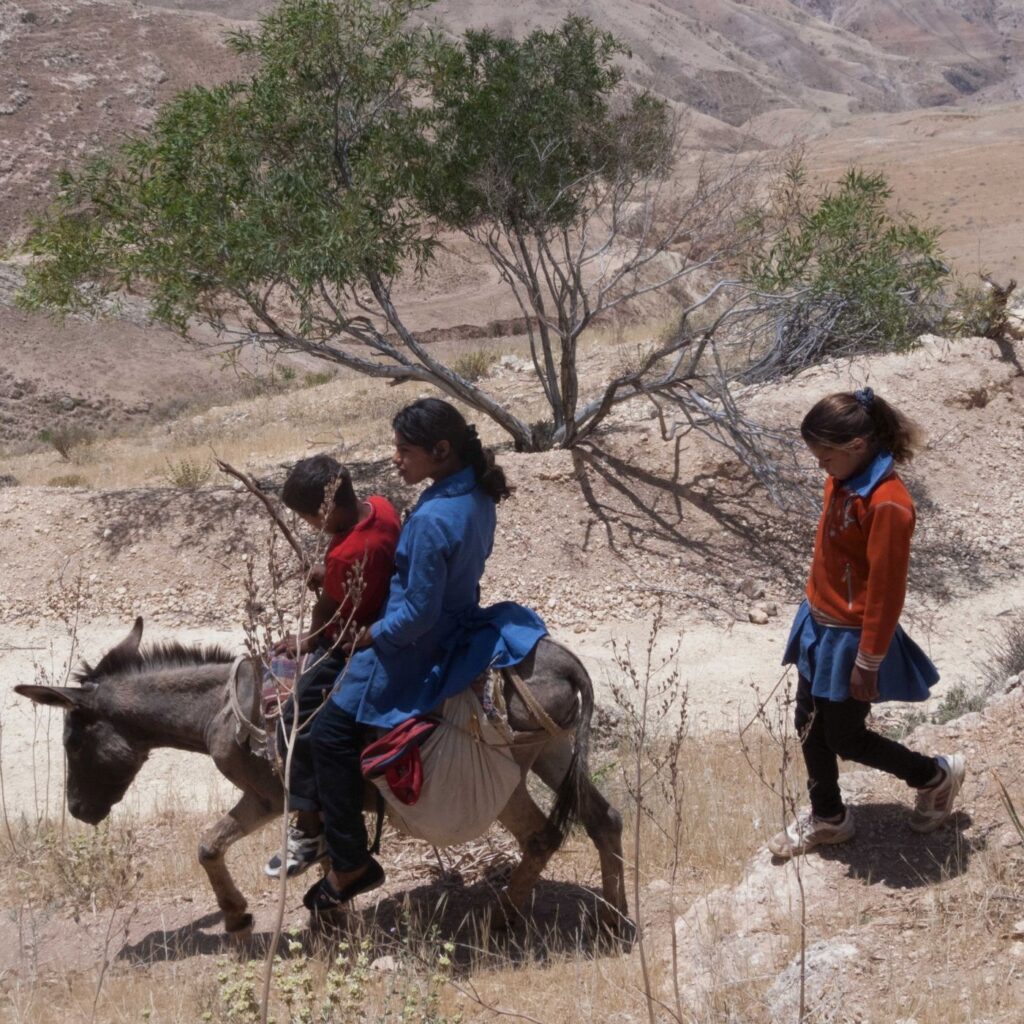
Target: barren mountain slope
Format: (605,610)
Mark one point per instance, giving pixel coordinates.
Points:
(73,77)
(76,76)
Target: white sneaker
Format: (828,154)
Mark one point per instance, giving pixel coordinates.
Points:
(934,805)
(302,853)
(808,832)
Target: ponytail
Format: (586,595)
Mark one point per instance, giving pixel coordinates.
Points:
(489,475)
(429,421)
(837,420)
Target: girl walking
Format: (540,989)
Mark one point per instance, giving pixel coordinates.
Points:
(846,640)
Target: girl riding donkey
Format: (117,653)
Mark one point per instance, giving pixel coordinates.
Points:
(846,640)
(433,639)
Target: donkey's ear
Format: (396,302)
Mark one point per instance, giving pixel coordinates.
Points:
(64,697)
(131,642)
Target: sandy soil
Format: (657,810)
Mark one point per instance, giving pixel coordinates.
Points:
(675,528)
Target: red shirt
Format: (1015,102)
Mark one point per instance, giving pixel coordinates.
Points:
(366,553)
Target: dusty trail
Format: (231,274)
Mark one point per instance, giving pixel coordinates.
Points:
(727,670)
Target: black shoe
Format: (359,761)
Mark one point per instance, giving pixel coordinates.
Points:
(322,897)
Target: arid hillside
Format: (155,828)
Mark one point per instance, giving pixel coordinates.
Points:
(927,92)
(597,542)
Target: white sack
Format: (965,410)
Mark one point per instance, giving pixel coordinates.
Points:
(468,776)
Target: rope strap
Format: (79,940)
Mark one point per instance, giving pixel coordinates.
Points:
(247,730)
(546,722)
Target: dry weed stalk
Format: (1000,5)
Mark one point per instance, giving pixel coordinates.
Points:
(774,714)
(654,702)
(265,627)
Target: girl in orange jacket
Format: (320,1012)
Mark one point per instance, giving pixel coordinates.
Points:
(846,640)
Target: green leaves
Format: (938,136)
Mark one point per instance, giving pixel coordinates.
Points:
(878,273)
(524,131)
(293,178)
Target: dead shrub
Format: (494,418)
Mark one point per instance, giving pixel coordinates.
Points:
(1006,657)
(64,438)
(67,480)
(475,364)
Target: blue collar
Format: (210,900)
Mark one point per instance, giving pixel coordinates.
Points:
(458,483)
(864,482)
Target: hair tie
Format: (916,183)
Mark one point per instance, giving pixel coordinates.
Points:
(865,398)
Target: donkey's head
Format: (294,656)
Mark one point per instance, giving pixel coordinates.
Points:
(101,760)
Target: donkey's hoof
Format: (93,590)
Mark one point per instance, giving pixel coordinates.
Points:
(239,927)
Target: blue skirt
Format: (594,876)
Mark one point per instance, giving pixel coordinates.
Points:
(826,654)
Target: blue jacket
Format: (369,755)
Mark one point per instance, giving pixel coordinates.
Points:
(434,639)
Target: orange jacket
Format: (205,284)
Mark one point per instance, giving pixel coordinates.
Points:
(861,554)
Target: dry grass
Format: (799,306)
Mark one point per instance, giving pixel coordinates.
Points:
(344,412)
(546,975)
(952,930)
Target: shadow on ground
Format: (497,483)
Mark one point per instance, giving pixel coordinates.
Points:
(886,852)
(561,921)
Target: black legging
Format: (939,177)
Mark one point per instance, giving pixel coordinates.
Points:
(833,729)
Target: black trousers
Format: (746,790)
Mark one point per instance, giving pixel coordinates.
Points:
(311,690)
(337,740)
(830,730)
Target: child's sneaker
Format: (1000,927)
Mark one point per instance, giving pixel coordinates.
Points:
(302,852)
(808,832)
(935,804)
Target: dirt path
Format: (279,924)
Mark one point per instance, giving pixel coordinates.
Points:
(726,671)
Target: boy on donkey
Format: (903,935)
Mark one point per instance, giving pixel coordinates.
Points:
(363,534)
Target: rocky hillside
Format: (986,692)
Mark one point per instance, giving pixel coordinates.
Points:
(75,76)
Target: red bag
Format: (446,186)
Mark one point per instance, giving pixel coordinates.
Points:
(396,756)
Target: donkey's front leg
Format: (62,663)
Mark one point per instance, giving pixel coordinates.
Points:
(246,816)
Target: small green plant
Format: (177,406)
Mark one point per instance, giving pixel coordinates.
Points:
(288,374)
(188,474)
(475,364)
(64,438)
(349,990)
(958,701)
(847,274)
(975,312)
(314,380)
(67,480)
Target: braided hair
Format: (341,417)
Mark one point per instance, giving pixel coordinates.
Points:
(836,420)
(428,421)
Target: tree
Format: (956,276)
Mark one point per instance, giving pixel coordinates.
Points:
(839,273)
(281,209)
(276,209)
(562,175)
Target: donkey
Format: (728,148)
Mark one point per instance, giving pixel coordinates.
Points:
(170,695)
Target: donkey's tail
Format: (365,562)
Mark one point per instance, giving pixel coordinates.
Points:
(565,811)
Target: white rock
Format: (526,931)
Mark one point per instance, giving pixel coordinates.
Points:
(758,616)
(823,968)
